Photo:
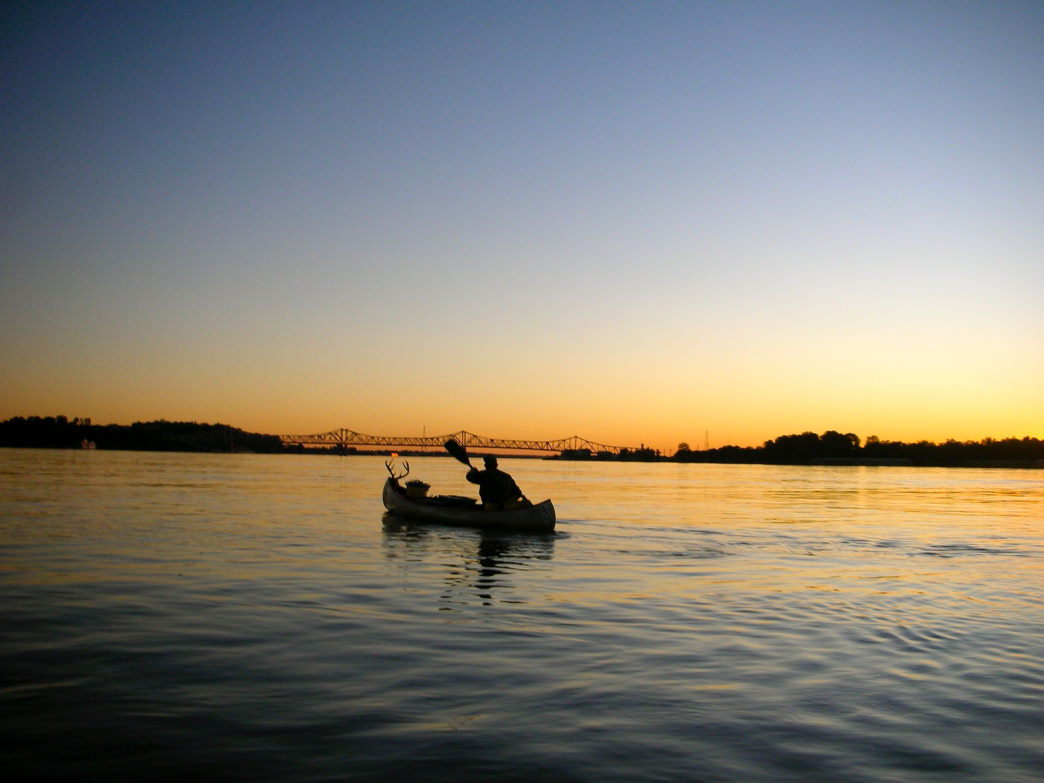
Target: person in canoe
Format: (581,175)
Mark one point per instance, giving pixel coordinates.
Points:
(496,488)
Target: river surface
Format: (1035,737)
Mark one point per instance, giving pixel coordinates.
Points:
(259,618)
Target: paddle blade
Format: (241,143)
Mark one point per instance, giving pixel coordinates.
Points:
(458,451)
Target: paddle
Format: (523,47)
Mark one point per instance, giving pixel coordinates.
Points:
(458,451)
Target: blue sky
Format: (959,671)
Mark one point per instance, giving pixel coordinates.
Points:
(635,221)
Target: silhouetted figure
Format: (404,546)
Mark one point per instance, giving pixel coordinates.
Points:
(496,488)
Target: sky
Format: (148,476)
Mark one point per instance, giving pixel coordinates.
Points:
(638,222)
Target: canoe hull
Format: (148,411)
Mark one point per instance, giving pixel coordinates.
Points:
(538,518)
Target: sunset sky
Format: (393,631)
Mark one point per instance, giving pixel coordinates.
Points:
(639,222)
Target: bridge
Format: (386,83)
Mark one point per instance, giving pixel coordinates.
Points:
(343,439)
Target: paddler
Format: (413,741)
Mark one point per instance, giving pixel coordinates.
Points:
(496,488)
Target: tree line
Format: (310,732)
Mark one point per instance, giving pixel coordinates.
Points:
(63,433)
(834,447)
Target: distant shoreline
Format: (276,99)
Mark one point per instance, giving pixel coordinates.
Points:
(354,452)
(831,448)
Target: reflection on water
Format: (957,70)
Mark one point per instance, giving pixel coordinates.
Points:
(259,618)
(476,562)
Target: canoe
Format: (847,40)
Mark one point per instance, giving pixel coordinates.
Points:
(454,510)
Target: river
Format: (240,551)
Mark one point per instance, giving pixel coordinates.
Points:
(252,617)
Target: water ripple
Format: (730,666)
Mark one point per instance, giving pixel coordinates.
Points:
(257,619)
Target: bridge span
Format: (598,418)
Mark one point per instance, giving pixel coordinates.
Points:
(344,439)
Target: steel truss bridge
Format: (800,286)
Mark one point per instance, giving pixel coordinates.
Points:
(344,439)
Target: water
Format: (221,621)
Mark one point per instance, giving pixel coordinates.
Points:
(258,618)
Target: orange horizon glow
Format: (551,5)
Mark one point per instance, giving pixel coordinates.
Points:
(661,436)
(756,398)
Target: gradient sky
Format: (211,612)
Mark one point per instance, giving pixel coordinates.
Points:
(637,222)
